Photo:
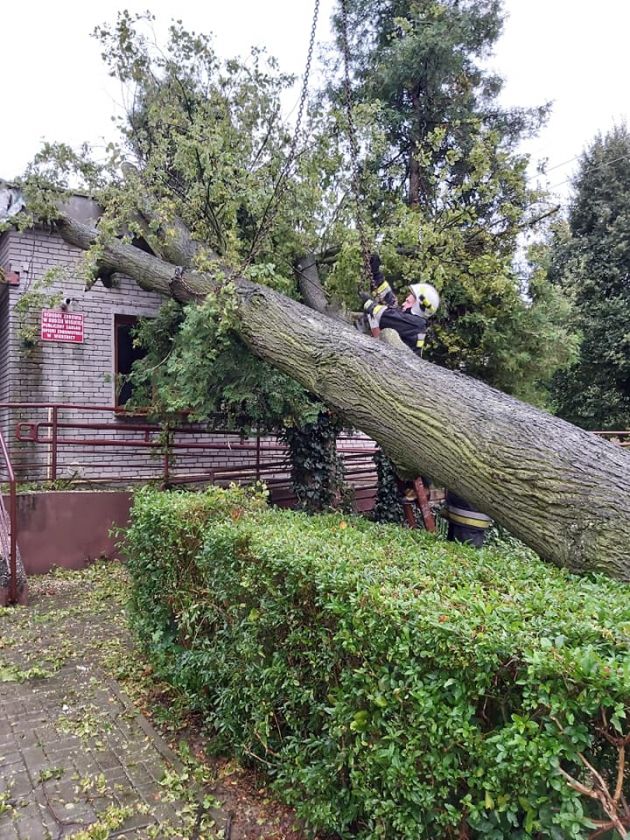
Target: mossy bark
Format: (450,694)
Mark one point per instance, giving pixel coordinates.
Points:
(561,490)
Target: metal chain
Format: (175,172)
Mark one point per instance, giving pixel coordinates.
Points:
(356,180)
(273,203)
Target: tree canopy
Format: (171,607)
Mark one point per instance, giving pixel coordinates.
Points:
(446,188)
(444,195)
(591,261)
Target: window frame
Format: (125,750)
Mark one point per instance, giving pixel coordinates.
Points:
(130,321)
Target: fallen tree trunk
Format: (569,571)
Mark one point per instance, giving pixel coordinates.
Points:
(561,490)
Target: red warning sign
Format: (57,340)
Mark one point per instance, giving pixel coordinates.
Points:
(57,325)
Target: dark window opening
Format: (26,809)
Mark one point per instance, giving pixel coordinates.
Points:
(125,354)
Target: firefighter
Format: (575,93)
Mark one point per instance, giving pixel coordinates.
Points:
(411,319)
(465,524)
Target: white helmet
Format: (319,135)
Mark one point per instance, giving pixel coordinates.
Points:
(427,299)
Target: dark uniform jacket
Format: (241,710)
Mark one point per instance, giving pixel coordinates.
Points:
(412,329)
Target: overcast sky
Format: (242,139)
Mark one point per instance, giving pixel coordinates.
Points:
(55,87)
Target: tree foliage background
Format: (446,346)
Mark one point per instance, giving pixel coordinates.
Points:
(446,188)
(590,260)
(443,195)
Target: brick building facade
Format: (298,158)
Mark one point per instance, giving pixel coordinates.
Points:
(62,371)
(57,370)
(87,373)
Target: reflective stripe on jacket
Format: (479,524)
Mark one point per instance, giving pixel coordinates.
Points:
(460,512)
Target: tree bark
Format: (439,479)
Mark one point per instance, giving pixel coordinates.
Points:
(309,284)
(561,490)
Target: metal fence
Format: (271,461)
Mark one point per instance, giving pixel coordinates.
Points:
(82,446)
(76,446)
(85,446)
(618,438)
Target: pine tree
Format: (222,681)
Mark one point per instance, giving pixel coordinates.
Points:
(593,264)
(445,188)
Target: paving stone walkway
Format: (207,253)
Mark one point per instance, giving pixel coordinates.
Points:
(79,759)
(73,752)
(76,758)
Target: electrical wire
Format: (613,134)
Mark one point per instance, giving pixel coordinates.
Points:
(591,168)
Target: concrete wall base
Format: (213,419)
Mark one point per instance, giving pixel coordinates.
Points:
(68,529)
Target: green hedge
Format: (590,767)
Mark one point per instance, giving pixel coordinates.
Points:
(393,685)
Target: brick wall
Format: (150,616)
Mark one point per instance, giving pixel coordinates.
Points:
(61,371)
(4,342)
(4,359)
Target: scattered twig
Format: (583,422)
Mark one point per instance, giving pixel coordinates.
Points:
(604,828)
(621,766)
(198,818)
(600,791)
(257,758)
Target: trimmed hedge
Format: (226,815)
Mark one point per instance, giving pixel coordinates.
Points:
(393,685)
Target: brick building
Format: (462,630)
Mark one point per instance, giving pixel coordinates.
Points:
(64,343)
(71,345)
(61,370)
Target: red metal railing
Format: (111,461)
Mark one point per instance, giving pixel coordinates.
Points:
(110,446)
(618,438)
(96,445)
(11,542)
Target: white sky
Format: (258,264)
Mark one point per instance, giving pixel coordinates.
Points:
(55,86)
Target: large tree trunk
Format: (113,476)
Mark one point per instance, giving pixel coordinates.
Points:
(413,199)
(561,490)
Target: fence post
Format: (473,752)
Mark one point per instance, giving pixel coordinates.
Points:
(167,457)
(54,417)
(13,558)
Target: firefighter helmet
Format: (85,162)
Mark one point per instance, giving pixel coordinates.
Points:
(427,299)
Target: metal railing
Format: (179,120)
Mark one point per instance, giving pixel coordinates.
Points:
(73,444)
(618,438)
(8,523)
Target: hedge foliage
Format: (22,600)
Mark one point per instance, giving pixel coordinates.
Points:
(392,684)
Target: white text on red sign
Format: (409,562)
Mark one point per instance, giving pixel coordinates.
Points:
(61,326)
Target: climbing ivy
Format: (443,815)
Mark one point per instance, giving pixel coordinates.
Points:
(388,507)
(316,469)
(38,296)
